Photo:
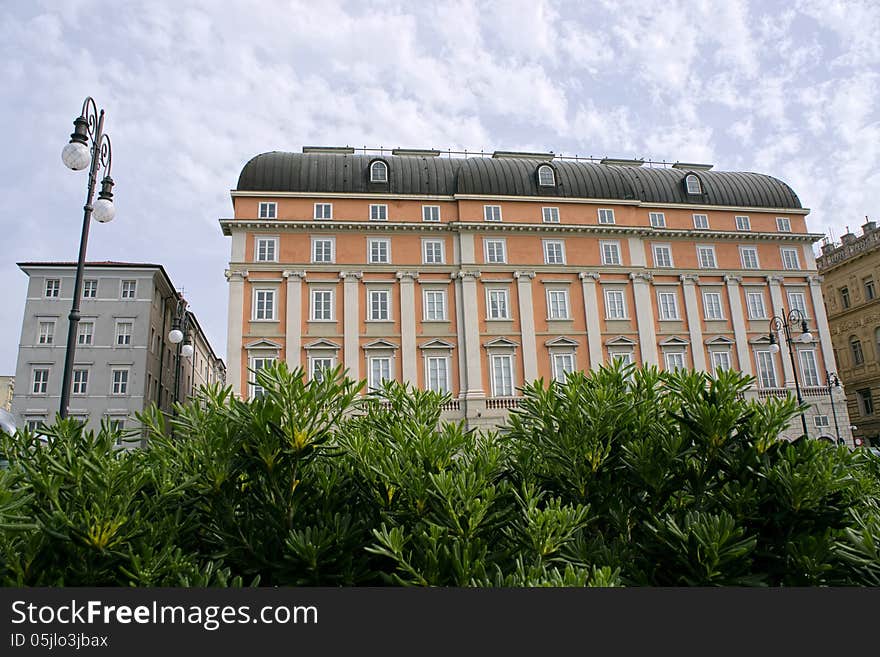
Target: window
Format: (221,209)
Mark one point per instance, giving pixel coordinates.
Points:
(658,219)
(855,346)
(90,289)
(53,288)
(766,369)
(120,382)
(821,421)
(323,210)
(430,213)
(563,365)
(379,251)
(318,365)
(693,184)
(546,176)
(870,292)
(437,373)
(557,304)
(748,255)
(380,371)
(323,249)
(264,304)
(497,306)
(379,212)
(790,259)
(701,221)
(606,216)
(117,424)
(432,252)
(554,252)
(378,305)
(492,212)
(674,360)
(129,289)
(743,222)
(615,307)
(550,215)
(267,249)
(495,251)
(258,363)
(667,303)
(797,301)
(720,359)
(610,253)
(435,305)
(41,381)
(322,305)
(844,296)
(783,224)
(123,333)
(502,375)
(662,255)
(85,331)
(755,302)
(809,369)
(706,257)
(866,403)
(80,382)
(268,210)
(47,333)
(712,305)
(378,172)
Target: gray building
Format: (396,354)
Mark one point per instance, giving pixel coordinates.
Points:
(124,358)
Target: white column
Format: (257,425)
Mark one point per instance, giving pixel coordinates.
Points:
(472,360)
(527,324)
(822,323)
(293,322)
(351,322)
(408,325)
(234,329)
(591,310)
(695,326)
(778,309)
(645,317)
(739,323)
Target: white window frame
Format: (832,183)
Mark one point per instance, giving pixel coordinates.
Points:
(542,181)
(329,362)
(382,313)
(809,367)
(665,311)
(504,297)
(253,387)
(800,305)
(128,289)
(378,212)
(52,289)
(428,211)
(707,248)
(79,385)
(268,210)
(693,184)
(655,248)
(432,243)
(743,222)
(119,388)
(747,263)
(442,385)
(41,386)
(265,241)
(657,219)
(503,243)
(674,355)
(699,220)
(605,216)
(707,306)
(550,215)
(761,372)
(324,211)
(492,213)
(783,224)
(785,263)
(120,333)
(315,241)
(426,305)
(561,301)
(560,372)
(624,354)
(46,337)
(313,305)
(82,334)
(269,302)
(90,286)
(616,248)
(718,355)
(378,241)
(506,387)
(561,254)
(612,305)
(384,373)
(378,165)
(749,308)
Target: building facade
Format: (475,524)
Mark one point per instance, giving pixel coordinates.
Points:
(7,388)
(124,361)
(851,287)
(473,275)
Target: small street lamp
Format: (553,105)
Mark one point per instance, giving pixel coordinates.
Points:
(88,147)
(785,323)
(832,380)
(180,333)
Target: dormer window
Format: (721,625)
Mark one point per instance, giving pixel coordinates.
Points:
(693,184)
(378,172)
(546,176)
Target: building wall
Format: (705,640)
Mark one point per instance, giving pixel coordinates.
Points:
(7,388)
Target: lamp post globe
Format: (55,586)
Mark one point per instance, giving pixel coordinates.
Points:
(187,350)
(774,348)
(76,156)
(175,336)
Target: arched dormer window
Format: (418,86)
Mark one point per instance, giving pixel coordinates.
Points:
(546,176)
(378,172)
(693,185)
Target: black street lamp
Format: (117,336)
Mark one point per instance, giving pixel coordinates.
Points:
(832,380)
(180,333)
(785,323)
(88,147)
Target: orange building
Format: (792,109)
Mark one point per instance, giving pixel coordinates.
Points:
(473,275)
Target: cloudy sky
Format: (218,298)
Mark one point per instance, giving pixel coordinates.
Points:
(193,90)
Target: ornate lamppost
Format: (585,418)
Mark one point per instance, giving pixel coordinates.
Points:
(785,323)
(832,380)
(180,332)
(88,147)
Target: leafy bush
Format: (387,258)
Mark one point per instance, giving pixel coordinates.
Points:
(622,476)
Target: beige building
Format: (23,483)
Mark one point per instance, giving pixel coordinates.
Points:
(851,286)
(7,388)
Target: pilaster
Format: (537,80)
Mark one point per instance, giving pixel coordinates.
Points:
(695,325)
(527,324)
(591,311)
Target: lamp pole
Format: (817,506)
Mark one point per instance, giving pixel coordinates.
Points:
(89,147)
(784,323)
(832,380)
(179,332)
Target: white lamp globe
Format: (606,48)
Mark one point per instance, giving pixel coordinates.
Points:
(774,348)
(175,336)
(75,156)
(103,210)
(187,350)
(806,336)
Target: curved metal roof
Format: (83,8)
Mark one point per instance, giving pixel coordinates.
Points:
(443,176)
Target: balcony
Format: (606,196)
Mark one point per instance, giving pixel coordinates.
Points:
(502,403)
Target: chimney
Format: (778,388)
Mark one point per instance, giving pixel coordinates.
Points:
(847,237)
(869,226)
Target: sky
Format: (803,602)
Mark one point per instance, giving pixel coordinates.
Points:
(192,90)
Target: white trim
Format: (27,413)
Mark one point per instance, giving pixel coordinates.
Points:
(499,240)
(378,163)
(379,240)
(608,305)
(706,316)
(433,240)
(742,222)
(668,248)
(377,294)
(254,304)
(273,239)
(313,306)
(323,238)
(437,207)
(547,242)
(550,292)
(702,215)
(491,209)
(660,216)
(710,248)
(506,292)
(494,360)
(446,371)
(783,221)
(322,205)
(607,213)
(742,256)
(676,316)
(550,210)
(616,245)
(442,293)
(381,209)
(797,260)
(271,210)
